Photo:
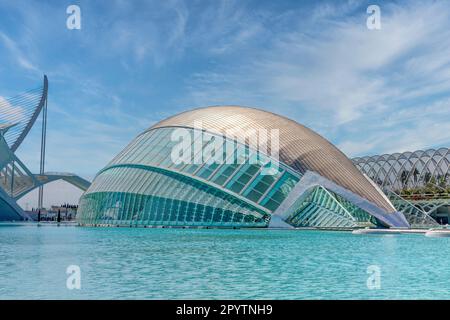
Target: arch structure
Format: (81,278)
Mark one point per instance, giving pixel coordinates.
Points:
(419,214)
(202,168)
(17,116)
(407,170)
(417,183)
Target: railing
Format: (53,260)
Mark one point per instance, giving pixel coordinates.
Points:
(425,196)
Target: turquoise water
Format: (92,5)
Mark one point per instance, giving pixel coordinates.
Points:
(130,263)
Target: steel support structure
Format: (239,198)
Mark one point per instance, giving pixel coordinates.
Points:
(42,162)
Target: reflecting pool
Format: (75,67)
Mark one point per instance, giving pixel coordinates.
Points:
(136,263)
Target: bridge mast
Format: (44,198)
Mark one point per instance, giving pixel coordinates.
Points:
(43,140)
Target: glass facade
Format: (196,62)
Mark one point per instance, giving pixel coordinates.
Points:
(198,179)
(233,166)
(324,209)
(135,196)
(144,185)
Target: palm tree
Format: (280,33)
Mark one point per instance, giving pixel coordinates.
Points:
(404,178)
(427,177)
(442,181)
(415,173)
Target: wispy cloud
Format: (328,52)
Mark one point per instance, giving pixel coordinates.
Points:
(16,54)
(342,78)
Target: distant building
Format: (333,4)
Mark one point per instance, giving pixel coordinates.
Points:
(418,183)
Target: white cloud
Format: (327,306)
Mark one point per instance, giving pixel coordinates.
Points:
(344,80)
(16,53)
(8,111)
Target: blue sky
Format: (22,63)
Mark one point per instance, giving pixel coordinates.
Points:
(136,62)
